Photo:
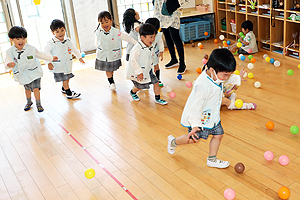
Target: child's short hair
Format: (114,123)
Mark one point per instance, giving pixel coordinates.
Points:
(221,60)
(104,14)
(154,21)
(247,25)
(147,29)
(56,24)
(17,32)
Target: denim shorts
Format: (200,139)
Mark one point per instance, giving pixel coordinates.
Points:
(143,86)
(216,130)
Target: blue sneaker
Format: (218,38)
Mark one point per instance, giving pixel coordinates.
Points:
(135,97)
(161,102)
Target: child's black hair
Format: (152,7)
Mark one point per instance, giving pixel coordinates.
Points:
(17,32)
(147,29)
(154,21)
(221,60)
(129,20)
(56,24)
(102,15)
(247,25)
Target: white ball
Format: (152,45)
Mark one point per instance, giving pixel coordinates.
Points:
(220,47)
(257,84)
(222,37)
(168,89)
(276,63)
(250,66)
(199,44)
(245,75)
(240,56)
(264,56)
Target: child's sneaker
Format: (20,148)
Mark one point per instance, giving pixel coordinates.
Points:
(63,91)
(217,163)
(135,97)
(171,149)
(40,108)
(161,102)
(73,95)
(112,86)
(28,106)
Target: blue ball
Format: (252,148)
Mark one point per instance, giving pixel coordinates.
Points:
(83,54)
(228,42)
(243,58)
(272,60)
(179,76)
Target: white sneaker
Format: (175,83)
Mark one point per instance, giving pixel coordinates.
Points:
(74,95)
(171,149)
(112,86)
(218,163)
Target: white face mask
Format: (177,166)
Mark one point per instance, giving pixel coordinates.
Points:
(218,81)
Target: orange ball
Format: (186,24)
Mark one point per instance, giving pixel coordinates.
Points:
(270,125)
(199,70)
(216,41)
(253,60)
(284,193)
(225,45)
(201,46)
(206,33)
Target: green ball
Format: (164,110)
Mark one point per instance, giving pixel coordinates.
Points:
(250,57)
(290,72)
(235,53)
(294,129)
(241,34)
(239,40)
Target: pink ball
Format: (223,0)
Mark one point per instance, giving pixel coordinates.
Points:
(249,50)
(269,155)
(172,95)
(284,160)
(229,194)
(189,84)
(204,61)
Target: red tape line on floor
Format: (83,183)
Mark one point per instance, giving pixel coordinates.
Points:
(110,174)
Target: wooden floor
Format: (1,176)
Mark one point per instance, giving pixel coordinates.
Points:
(39,160)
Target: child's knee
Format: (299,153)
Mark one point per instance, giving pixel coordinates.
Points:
(218,137)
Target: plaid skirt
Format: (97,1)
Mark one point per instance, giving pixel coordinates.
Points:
(146,85)
(34,84)
(59,77)
(108,66)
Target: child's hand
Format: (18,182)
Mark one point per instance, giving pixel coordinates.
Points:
(50,66)
(156,68)
(161,55)
(11,64)
(242,73)
(140,77)
(55,58)
(193,134)
(81,61)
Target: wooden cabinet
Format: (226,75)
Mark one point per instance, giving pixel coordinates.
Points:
(272,27)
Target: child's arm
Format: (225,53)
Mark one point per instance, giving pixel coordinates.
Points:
(44,56)
(47,50)
(77,54)
(161,49)
(138,71)
(9,63)
(127,38)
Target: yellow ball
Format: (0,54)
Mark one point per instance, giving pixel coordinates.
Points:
(89,173)
(250,75)
(267,59)
(239,44)
(238,103)
(237,72)
(299,66)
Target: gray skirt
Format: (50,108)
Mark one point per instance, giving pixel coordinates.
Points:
(108,66)
(146,85)
(34,84)
(59,77)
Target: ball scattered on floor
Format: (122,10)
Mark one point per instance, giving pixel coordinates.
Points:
(168,89)
(216,41)
(270,125)
(267,59)
(239,168)
(89,173)
(284,160)
(250,66)
(276,63)
(290,72)
(249,51)
(206,33)
(204,61)
(253,60)
(243,58)
(172,95)
(239,44)
(179,76)
(284,193)
(199,70)
(222,37)
(82,54)
(228,42)
(294,129)
(265,55)
(229,194)
(236,72)
(299,66)
(269,155)
(272,60)
(189,84)
(257,84)
(201,46)
(250,75)
(238,103)
(249,57)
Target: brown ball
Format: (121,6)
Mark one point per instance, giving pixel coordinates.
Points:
(239,168)
(193,44)
(191,41)
(206,56)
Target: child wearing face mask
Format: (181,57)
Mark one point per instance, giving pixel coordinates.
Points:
(201,114)
(109,49)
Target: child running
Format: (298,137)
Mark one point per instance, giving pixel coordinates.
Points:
(109,50)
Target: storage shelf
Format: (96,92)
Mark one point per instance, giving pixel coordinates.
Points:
(293,21)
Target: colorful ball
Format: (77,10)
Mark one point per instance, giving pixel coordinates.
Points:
(229,194)
(201,46)
(82,54)
(239,168)
(228,42)
(239,44)
(267,59)
(294,129)
(222,37)
(257,84)
(253,60)
(249,57)
(270,125)
(290,72)
(204,61)
(284,193)
(225,45)
(238,103)
(236,72)
(276,63)
(269,155)
(240,56)
(272,60)
(250,75)
(206,33)
(179,76)
(299,66)
(216,41)
(168,89)
(250,66)
(243,58)
(199,70)
(172,95)
(284,160)
(249,51)
(89,173)
(239,40)
(265,55)
(189,84)
(241,34)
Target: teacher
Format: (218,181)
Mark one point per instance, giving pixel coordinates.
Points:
(170,25)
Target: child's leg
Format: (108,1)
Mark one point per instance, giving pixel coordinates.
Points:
(66,84)
(133,94)
(157,95)
(36,92)
(230,103)
(111,81)
(135,89)
(29,102)
(174,142)
(214,145)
